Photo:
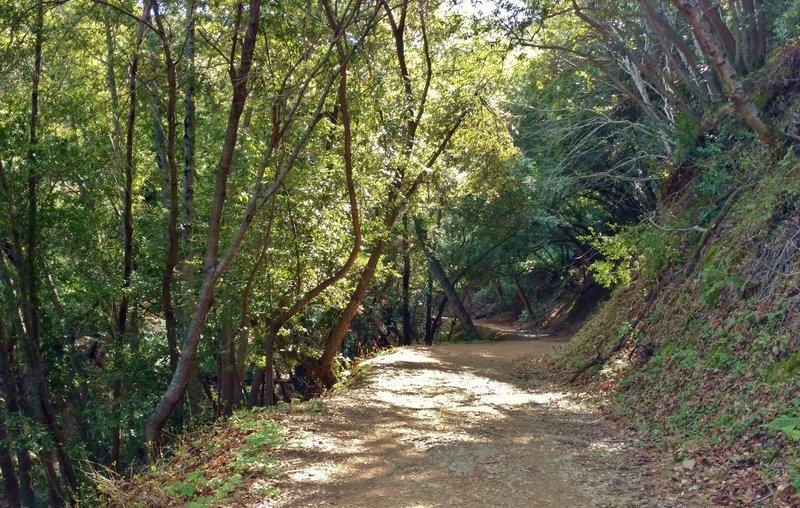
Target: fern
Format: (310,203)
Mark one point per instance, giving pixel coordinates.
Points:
(789,425)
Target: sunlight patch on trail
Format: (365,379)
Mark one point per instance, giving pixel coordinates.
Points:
(457,388)
(457,426)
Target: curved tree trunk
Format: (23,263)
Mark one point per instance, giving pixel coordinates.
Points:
(716,52)
(211,268)
(470,332)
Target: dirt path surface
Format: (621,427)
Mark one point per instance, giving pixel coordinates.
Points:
(462,425)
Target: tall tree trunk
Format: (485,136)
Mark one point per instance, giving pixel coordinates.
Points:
(8,375)
(226,372)
(112,84)
(187,214)
(523,298)
(718,27)
(211,268)
(437,321)
(498,289)
(77,395)
(29,290)
(667,37)
(344,113)
(405,246)
(650,70)
(761,27)
(172,195)
(429,308)
(750,34)
(158,144)
(245,323)
(324,366)
(127,226)
(739,35)
(10,480)
(269,366)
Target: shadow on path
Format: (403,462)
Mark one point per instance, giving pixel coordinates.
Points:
(453,426)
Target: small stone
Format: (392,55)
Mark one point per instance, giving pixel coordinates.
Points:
(688,464)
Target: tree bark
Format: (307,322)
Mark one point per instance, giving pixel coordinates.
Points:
(10,480)
(172,193)
(211,267)
(127,224)
(705,34)
(13,403)
(523,298)
(187,214)
(666,35)
(29,292)
(429,308)
(718,27)
(406,310)
(470,332)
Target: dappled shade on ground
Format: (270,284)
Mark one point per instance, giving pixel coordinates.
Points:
(463,425)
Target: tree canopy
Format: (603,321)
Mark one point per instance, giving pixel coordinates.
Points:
(200,200)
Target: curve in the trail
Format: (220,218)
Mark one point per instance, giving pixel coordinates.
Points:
(466,425)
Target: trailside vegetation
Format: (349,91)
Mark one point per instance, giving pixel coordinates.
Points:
(207,207)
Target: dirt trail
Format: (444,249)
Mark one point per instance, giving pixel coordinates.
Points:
(462,425)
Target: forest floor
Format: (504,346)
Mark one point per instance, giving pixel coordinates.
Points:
(466,425)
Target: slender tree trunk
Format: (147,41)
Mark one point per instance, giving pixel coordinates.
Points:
(258,375)
(344,113)
(29,291)
(158,144)
(437,321)
(172,194)
(429,308)
(211,269)
(13,404)
(470,332)
(127,227)
(405,246)
(523,298)
(112,84)
(324,367)
(750,34)
(269,366)
(226,372)
(10,480)
(761,27)
(187,215)
(77,395)
(738,35)
(667,37)
(718,27)
(256,386)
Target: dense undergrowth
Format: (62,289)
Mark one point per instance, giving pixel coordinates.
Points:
(700,351)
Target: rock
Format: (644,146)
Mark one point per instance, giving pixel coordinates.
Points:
(688,464)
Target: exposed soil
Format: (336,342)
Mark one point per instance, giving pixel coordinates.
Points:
(466,425)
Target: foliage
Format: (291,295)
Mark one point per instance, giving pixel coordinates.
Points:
(789,425)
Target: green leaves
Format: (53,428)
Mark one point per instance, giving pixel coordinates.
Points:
(788,425)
